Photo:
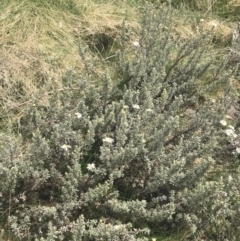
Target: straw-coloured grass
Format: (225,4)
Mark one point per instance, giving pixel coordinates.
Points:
(221,31)
(39,43)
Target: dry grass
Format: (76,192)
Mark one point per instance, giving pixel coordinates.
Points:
(222,31)
(39,43)
(234,3)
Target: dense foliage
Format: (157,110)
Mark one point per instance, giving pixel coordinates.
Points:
(120,159)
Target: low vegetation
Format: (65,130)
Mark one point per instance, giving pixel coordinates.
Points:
(115,121)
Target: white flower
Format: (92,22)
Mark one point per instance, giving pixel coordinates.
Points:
(117,227)
(238,150)
(125,107)
(234,135)
(230,178)
(229,132)
(79,115)
(231,127)
(136,107)
(136,44)
(65,147)
(223,122)
(108,140)
(91,167)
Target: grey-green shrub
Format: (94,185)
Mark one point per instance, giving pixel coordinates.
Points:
(118,159)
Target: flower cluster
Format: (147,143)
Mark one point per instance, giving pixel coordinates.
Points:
(230,132)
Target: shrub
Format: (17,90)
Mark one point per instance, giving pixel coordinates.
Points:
(118,159)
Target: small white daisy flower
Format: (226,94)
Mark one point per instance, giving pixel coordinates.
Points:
(238,150)
(230,178)
(149,110)
(231,127)
(136,44)
(91,167)
(137,107)
(117,227)
(79,115)
(223,122)
(65,147)
(108,140)
(229,132)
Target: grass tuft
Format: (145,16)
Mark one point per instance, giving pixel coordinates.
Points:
(39,43)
